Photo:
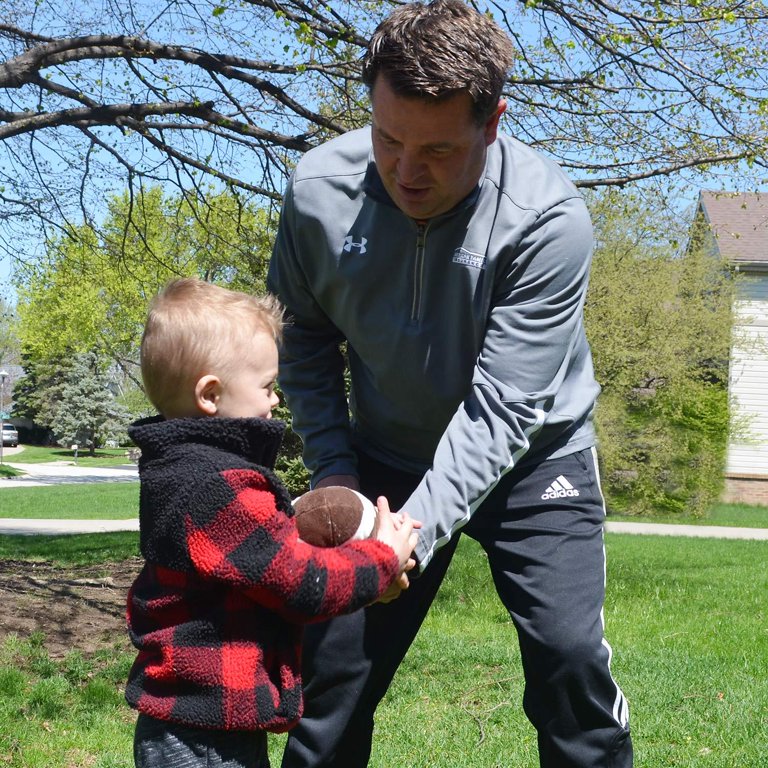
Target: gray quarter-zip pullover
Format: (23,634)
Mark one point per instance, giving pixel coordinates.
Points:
(466,346)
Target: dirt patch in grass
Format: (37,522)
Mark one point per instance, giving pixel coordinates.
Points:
(75,607)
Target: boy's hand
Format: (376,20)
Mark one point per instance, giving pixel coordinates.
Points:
(393,591)
(399,532)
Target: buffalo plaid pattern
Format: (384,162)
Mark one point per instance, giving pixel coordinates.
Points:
(217,611)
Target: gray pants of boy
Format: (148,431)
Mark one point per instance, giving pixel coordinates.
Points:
(159,744)
(546,554)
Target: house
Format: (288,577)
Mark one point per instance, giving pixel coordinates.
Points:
(13,374)
(738,224)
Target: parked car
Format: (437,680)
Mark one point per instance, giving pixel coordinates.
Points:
(10,435)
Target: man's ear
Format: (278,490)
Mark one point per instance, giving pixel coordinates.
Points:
(207,394)
(492,124)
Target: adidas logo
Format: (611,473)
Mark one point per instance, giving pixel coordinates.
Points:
(559,489)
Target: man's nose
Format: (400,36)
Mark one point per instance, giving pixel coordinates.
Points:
(410,167)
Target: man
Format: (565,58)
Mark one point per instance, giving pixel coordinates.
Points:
(453,262)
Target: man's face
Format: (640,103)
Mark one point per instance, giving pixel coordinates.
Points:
(430,155)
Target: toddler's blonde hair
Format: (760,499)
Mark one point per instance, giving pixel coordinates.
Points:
(195,328)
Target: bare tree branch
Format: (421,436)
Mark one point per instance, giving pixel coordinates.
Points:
(190,93)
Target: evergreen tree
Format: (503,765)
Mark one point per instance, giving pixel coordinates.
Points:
(87,413)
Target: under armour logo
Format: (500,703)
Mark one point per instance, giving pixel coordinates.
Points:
(349,244)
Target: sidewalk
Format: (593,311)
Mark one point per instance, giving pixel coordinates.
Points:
(14,526)
(64,473)
(28,527)
(700,531)
(56,473)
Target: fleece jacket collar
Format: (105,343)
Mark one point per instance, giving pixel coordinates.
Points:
(257,440)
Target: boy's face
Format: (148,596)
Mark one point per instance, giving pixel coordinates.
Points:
(251,391)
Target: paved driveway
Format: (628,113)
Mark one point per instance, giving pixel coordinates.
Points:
(58,472)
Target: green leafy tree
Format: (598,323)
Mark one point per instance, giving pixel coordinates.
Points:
(9,342)
(135,402)
(87,412)
(659,321)
(91,290)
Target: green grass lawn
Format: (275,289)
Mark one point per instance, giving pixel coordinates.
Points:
(740,515)
(79,501)
(119,501)
(77,549)
(35,454)
(686,618)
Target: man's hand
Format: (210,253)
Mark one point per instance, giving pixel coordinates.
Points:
(397,520)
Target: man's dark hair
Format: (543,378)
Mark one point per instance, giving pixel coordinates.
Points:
(432,51)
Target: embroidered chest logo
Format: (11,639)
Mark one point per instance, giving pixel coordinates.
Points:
(349,244)
(469,259)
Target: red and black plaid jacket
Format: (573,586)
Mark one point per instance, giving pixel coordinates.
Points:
(218,609)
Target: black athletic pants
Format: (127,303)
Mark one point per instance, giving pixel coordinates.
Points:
(542,528)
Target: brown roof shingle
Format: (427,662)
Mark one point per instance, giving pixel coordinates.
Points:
(739,222)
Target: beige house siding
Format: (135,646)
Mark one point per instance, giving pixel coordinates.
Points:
(739,226)
(748,386)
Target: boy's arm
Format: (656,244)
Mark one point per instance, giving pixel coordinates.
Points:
(251,544)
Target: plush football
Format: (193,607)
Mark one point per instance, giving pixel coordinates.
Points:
(327,517)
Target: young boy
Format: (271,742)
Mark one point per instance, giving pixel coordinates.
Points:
(217,611)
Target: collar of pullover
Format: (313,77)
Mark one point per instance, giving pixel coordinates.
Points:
(256,440)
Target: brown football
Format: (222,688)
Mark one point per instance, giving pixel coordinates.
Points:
(327,517)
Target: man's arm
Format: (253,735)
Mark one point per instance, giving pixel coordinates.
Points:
(533,343)
(311,364)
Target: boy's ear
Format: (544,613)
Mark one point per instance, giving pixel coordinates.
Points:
(207,394)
